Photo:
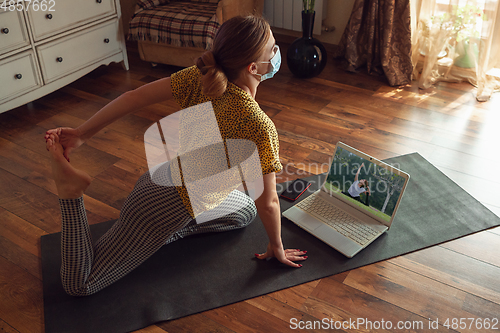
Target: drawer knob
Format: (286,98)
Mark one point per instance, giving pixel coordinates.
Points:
(5,31)
(98,1)
(49,16)
(106,40)
(59,59)
(18,76)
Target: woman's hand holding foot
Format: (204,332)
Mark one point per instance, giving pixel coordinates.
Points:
(70,182)
(69,138)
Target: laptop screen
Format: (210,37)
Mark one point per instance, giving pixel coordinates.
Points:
(362,181)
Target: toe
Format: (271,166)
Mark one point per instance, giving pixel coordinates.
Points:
(56,138)
(56,149)
(48,144)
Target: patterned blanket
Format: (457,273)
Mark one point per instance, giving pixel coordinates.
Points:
(183,23)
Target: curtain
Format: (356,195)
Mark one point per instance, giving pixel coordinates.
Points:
(455,40)
(378,35)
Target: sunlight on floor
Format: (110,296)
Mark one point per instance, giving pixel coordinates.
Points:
(458,105)
(490,132)
(401,93)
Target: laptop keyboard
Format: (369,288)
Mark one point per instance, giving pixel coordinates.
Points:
(339,220)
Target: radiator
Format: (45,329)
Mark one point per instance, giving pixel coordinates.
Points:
(286,14)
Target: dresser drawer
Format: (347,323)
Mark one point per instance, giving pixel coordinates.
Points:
(18,75)
(69,54)
(13,32)
(67,14)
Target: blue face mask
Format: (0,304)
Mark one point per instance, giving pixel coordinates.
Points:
(275,64)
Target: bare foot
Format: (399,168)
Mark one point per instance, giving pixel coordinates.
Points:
(70,182)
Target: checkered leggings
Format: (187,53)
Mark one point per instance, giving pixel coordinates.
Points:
(151,217)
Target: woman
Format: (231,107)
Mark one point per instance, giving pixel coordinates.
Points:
(358,187)
(244,54)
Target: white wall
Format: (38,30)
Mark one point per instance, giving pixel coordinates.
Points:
(338,13)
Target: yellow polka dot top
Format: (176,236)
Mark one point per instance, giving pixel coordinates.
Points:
(238,116)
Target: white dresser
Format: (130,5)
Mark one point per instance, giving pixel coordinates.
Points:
(44,50)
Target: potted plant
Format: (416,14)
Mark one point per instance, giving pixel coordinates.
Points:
(306,56)
(462,25)
(465,20)
(308,6)
(466,34)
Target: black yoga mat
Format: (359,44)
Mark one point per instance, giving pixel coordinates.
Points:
(203,272)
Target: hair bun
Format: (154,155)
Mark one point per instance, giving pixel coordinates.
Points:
(206,62)
(214,79)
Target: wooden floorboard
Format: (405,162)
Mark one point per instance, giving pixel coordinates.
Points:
(445,124)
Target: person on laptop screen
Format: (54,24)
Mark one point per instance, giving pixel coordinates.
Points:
(356,177)
(358,187)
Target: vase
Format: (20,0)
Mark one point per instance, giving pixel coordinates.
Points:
(468,53)
(306,57)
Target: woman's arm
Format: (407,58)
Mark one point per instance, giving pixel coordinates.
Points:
(357,173)
(268,207)
(151,93)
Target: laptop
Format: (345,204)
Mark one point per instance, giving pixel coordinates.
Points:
(356,203)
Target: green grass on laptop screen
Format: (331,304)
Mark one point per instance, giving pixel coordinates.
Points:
(385,187)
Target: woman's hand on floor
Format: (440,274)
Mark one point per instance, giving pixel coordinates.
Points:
(286,257)
(69,138)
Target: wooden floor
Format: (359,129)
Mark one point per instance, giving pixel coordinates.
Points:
(458,279)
